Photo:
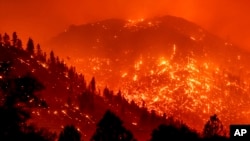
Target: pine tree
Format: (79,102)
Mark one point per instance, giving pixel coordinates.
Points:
(144,116)
(57,60)
(39,52)
(44,56)
(106,93)
(1,40)
(110,128)
(6,40)
(30,46)
(92,85)
(19,44)
(213,127)
(71,73)
(18,97)
(52,58)
(14,39)
(153,116)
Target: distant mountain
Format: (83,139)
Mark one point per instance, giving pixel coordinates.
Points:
(171,64)
(120,43)
(116,38)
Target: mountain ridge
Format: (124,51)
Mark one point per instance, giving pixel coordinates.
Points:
(163,60)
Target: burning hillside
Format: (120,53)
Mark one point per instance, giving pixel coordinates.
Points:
(168,64)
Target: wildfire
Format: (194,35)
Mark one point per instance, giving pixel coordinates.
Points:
(197,88)
(194,88)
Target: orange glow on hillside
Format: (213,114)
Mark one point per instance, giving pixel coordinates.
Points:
(192,90)
(185,86)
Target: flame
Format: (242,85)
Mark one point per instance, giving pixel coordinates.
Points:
(124,74)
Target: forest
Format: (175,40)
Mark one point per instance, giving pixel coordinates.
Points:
(20,95)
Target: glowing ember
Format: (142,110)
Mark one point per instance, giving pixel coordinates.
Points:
(190,88)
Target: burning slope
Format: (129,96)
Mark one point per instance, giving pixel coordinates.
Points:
(70,100)
(171,65)
(190,91)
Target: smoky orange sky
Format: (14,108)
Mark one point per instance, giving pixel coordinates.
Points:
(43,19)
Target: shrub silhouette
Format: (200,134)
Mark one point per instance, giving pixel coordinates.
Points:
(172,133)
(213,127)
(69,133)
(214,130)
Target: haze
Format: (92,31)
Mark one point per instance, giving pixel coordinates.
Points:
(43,19)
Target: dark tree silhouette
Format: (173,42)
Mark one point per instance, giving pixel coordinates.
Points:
(45,56)
(39,52)
(5,69)
(1,40)
(30,46)
(19,44)
(119,95)
(31,133)
(72,73)
(86,101)
(14,39)
(52,62)
(213,127)
(92,85)
(164,117)
(153,116)
(52,58)
(57,60)
(18,96)
(22,90)
(110,128)
(40,55)
(144,116)
(106,93)
(173,133)
(6,40)
(69,133)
